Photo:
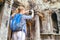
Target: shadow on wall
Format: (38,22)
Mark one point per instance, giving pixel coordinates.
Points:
(1,4)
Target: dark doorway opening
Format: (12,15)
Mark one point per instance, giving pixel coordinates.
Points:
(55,22)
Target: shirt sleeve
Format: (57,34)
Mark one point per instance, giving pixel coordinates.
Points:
(27,17)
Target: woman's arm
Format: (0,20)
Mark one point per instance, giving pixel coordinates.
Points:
(29,16)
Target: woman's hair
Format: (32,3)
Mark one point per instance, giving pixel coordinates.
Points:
(20,8)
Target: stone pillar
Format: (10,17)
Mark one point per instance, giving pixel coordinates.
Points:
(5,20)
(37,28)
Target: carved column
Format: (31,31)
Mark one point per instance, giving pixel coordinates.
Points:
(37,28)
(5,20)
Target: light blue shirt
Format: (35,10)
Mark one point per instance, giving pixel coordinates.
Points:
(23,21)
